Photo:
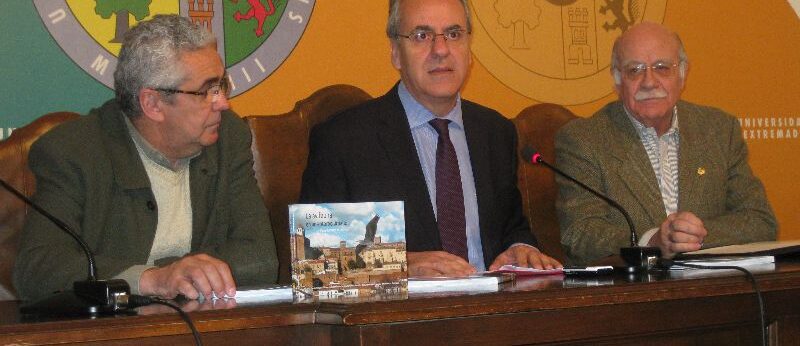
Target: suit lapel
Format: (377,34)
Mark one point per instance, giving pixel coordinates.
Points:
(478,144)
(690,158)
(130,176)
(202,172)
(633,165)
(395,138)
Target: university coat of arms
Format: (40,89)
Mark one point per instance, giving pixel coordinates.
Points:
(254,36)
(555,51)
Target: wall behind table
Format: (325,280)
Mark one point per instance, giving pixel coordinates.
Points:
(745,58)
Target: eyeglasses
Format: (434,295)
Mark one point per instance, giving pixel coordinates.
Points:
(421,37)
(635,71)
(211,94)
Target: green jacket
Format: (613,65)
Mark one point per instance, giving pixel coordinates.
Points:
(714,182)
(89,174)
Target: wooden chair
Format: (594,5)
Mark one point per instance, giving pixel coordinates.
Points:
(14,170)
(536,127)
(280,151)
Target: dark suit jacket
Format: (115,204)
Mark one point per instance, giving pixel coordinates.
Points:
(89,174)
(367,154)
(714,181)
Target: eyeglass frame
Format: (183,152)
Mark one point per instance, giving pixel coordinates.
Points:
(223,87)
(625,70)
(411,35)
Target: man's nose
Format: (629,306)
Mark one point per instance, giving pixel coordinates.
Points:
(649,78)
(221,103)
(440,46)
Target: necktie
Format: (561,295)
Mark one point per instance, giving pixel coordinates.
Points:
(449,195)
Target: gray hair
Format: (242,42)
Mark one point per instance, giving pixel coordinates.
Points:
(150,55)
(683,59)
(393,24)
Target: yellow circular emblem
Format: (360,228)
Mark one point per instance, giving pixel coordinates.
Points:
(555,51)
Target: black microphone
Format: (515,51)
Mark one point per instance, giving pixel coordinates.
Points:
(88,297)
(636,257)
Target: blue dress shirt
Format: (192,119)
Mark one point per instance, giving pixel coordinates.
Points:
(425,141)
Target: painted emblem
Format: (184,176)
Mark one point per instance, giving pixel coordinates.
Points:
(555,51)
(253,36)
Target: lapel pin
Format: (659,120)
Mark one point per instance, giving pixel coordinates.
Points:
(701,171)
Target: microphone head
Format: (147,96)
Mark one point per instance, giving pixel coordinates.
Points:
(531,155)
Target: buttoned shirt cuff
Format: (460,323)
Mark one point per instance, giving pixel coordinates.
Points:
(645,238)
(523,244)
(132,276)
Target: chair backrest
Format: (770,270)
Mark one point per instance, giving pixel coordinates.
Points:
(14,170)
(537,126)
(280,151)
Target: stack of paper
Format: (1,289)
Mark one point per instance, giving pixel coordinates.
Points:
(754,264)
(759,248)
(262,295)
(738,261)
(486,282)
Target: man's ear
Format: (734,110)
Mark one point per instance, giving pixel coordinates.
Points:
(395,47)
(683,72)
(150,102)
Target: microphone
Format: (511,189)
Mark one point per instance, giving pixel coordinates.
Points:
(636,257)
(88,297)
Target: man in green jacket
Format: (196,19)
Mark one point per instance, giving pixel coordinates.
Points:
(158,181)
(678,168)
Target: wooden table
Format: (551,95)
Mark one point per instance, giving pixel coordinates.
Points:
(651,309)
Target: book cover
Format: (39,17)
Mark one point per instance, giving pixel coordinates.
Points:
(348,249)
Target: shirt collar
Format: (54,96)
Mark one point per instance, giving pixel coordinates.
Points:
(418,115)
(152,153)
(644,130)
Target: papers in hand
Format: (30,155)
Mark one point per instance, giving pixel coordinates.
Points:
(262,295)
(483,282)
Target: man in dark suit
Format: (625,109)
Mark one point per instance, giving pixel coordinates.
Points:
(451,161)
(678,168)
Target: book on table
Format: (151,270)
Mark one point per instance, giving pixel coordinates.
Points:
(348,249)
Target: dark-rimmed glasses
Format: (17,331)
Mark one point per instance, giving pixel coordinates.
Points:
(212,93)
(421,37)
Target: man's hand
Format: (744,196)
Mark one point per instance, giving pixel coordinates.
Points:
(437,263)
(191,276)
(524,256)
(680,232)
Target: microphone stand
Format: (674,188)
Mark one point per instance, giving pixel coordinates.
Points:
(637,258)
(88,297)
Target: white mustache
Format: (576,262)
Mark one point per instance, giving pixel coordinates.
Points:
(650,94)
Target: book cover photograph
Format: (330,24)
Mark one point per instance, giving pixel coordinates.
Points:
(348,249)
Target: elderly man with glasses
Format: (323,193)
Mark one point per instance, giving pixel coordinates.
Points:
(678,168)
(452,162)
(158,181)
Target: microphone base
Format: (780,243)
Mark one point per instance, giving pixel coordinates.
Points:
(68,304)
(88,298)
(639,259)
